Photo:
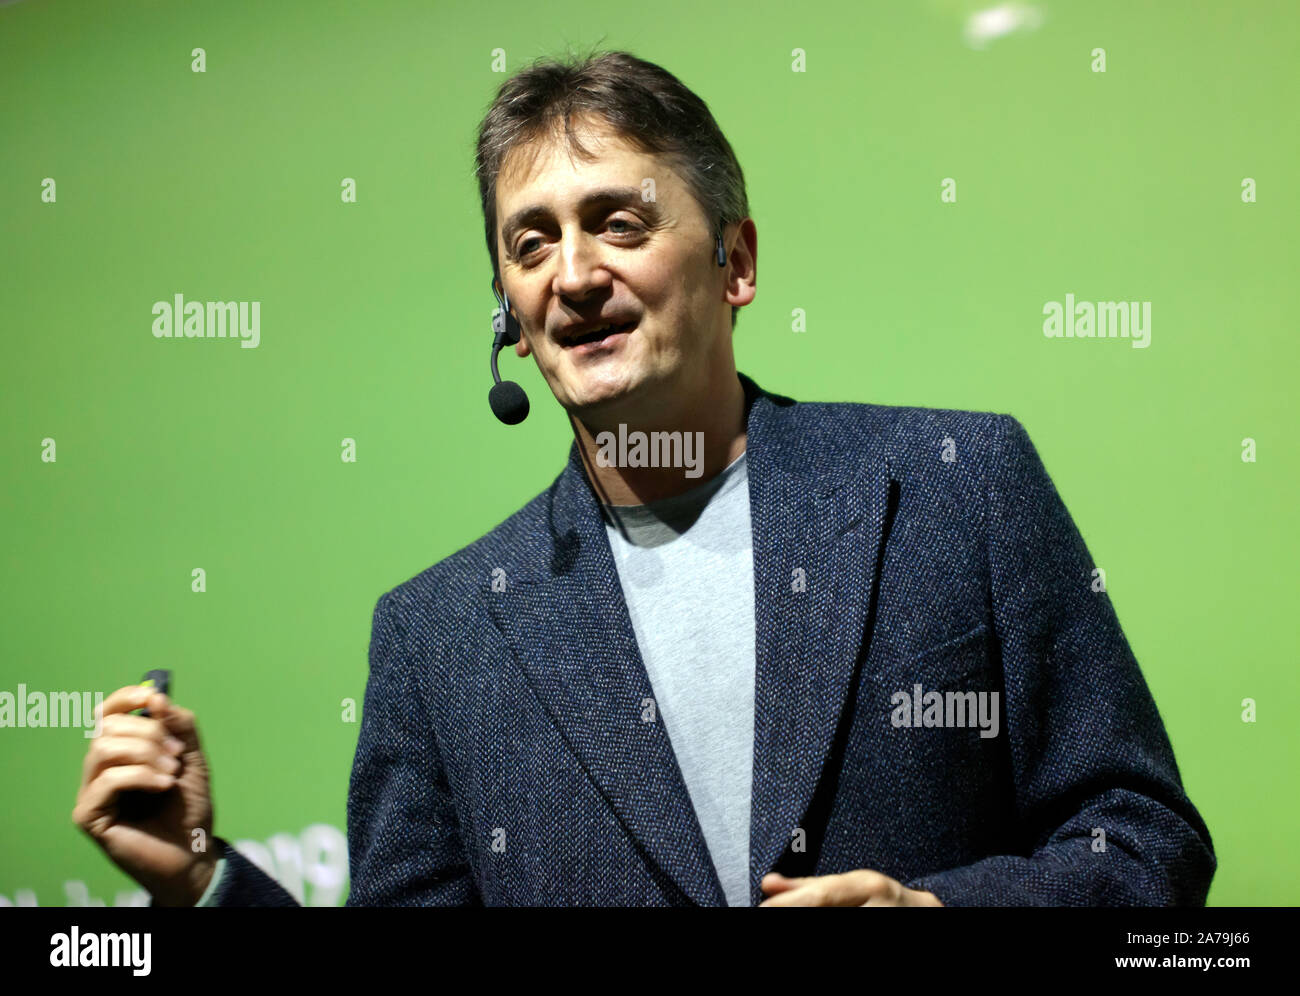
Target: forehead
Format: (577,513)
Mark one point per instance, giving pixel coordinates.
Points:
(548,169)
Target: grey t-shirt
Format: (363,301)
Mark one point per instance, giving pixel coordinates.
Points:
(686,566)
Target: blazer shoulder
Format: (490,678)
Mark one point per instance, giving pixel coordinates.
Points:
(910,436)
(450,589)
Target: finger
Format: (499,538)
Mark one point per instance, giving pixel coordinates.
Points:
(100,796)
(855,888)
(845,889)
(803,896)
(126,699)
(126,725)
(775,882)
(882,899)
(808,892)
(107,752)
(180,724)
(165,721)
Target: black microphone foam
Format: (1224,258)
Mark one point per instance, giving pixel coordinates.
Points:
(509,402)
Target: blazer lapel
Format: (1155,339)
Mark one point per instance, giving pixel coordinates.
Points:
(816,528)
(571,634)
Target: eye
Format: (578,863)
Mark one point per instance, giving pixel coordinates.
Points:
(631,226)
(523,249)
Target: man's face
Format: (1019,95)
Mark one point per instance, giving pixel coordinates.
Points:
(581,247)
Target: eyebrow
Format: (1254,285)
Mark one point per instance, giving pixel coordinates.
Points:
(531,215)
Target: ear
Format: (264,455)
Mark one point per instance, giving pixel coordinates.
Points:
(741,276)
(522,348)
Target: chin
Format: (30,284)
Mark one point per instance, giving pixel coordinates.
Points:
(592,391)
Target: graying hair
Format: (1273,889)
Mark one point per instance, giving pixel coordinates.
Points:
(644,103)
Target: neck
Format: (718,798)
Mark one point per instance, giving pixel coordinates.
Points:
(709,430)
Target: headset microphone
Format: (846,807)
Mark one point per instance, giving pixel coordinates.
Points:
(508,400)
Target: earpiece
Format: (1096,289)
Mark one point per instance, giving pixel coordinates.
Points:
(508,401)
(504,324)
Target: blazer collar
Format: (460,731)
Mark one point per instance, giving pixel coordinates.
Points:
(816,537)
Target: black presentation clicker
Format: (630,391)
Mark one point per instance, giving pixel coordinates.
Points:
(134,805)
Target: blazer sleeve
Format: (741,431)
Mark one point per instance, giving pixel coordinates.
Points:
(239,882)
(1089,752)
(404,847)
(404,844)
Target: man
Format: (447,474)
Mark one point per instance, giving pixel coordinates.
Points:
(742,650)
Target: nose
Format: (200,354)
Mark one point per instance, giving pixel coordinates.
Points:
(581,269)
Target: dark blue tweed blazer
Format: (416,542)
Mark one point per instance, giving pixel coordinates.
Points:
(504,759)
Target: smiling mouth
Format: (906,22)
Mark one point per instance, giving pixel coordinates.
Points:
(596,335)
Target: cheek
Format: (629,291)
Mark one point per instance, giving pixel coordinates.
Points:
(697,296)
(678,298)
(664,287)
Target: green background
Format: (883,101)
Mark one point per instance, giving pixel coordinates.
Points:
(225,185)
